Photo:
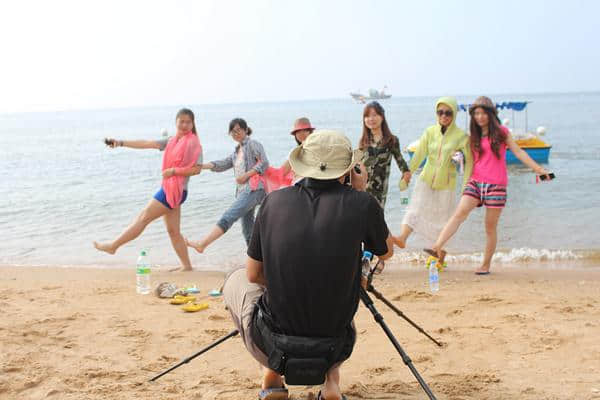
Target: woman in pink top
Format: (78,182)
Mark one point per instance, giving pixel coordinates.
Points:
(182,158)
(487,186)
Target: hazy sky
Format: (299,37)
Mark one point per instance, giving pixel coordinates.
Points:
(59,55)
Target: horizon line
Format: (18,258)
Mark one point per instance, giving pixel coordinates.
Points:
(225,103)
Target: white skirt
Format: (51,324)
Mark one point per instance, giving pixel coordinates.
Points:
(429,210)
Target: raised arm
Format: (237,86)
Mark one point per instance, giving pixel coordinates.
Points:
(219,165)
(523,156)
(133,144)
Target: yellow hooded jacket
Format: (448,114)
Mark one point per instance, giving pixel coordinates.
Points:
(439,172)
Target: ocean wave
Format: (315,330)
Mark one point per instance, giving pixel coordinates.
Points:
(517,255)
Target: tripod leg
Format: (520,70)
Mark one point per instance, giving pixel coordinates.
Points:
(368,302)
(190,358)
(377,294)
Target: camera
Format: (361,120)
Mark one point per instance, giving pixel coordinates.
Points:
(347,178)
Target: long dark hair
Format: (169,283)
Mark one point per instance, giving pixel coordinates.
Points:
(388,138)
(241,123)
(495,133)
(189,113)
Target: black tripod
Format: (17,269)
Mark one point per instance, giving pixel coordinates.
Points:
(378,294)
(371,288)
(190,358)
(366,299)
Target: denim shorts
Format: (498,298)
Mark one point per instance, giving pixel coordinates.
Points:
(161,196)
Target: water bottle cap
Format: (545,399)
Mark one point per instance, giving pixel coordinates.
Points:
(367,254)
(143,253)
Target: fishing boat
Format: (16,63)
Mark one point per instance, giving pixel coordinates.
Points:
(374,94)
(531,142)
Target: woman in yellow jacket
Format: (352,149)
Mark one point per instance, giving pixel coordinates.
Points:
(433,199)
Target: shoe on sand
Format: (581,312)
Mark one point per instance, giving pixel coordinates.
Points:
(194,307)
(182,299)
(273,394)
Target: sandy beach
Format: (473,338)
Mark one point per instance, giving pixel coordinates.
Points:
(526,332)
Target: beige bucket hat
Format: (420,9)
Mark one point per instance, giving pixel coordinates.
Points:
(325,154)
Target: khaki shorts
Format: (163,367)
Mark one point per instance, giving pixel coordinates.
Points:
(241,296)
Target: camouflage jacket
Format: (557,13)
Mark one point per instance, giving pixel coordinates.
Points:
(378,162)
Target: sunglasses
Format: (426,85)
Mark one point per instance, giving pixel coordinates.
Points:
(236,132)
(447,113)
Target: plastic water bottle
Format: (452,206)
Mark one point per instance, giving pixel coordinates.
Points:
(366,263)
(142,274)
(434,278)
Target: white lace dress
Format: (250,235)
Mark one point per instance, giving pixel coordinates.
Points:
(429,210)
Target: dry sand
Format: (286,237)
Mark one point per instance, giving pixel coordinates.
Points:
(521,333)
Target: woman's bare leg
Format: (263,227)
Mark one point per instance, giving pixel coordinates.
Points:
(465,206)
(173,224)
(202,244)
(153,210)
(400,240)
(492,216)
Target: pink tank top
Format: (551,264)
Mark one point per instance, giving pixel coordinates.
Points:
(488,168)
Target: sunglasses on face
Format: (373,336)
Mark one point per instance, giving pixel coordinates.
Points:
(236,132)
(447,113)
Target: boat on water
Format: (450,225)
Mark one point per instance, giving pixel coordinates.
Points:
(373,94)
(531,142)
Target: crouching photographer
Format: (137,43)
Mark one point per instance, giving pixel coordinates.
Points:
(295,302)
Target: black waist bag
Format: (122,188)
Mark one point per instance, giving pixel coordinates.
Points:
(302,360)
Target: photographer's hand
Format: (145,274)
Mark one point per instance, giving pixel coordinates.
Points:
(359,181)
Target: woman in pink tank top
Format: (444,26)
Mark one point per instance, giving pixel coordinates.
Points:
(488,182)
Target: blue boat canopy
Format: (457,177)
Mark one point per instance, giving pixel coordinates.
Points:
(509,105)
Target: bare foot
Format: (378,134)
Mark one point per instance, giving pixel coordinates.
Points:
(181,269)
(196,245)
(105,248)
(398,241)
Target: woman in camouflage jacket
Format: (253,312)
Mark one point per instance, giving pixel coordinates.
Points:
(379,146)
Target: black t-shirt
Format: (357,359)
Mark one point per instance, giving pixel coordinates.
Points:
(309,239)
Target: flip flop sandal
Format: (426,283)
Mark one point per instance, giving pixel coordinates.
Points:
(193,307)
(321,398)
(482,272)
(177,300)
(273,394)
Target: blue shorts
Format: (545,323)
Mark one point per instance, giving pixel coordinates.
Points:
(162,197)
